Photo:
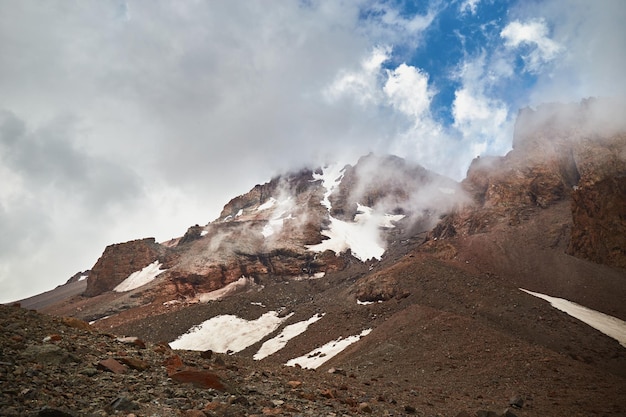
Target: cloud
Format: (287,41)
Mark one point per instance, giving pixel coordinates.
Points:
(533,34)
(483,120)
(361,84)
(469,6)
(123,119)
(407,90)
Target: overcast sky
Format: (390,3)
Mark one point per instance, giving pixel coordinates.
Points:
(128,119)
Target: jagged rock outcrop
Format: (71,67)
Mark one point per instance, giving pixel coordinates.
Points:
(560,153)
(119,261)
(395,186)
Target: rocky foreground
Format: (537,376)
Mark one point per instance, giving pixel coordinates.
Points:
(61,367)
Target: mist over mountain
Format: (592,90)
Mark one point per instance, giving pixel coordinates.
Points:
(389,288)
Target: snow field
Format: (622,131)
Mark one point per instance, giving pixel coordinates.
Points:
(609,325)
(140,278)
(226,290)
(319,356)
(228,333)
(362,236)
(289,332)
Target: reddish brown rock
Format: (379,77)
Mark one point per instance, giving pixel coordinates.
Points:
(119,261)
(599,222)
(76,323)
(294,384)
(134,363)
(112,365)
(199,378)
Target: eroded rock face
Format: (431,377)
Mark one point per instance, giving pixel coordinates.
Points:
(599,222)
(560,153)
(119,261)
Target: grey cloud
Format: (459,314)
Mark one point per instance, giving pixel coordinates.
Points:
(48,157)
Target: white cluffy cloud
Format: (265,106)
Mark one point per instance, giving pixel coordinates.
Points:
(361,84)
(533,33)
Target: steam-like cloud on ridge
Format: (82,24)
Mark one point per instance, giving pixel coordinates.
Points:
(141,118)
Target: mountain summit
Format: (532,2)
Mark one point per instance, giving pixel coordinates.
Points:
(413,288)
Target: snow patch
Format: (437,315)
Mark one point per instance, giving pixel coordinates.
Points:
(268,204)
(83,277)
(366,303)
(331,177)
(319,356)
(239,213)
(609,325)
(316,275)
(228,333)
(362,236)
(226,290)
(140,278)
(204,233)
(289,332)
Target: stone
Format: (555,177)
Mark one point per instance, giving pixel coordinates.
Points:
(194,413)
(365,408)
(89,371)
(508,413)
(200,379)
(516,401)
(53,412)
(52,338)
(123,404)
(76,323)
(136,364)
(112,365)
(294,384)
(46,354)
(487,413)
(132,340)
(409,409)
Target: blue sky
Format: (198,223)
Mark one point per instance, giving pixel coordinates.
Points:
(127,119)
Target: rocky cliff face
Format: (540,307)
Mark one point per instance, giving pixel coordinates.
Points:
(268,231)
(560,153)
(119,261)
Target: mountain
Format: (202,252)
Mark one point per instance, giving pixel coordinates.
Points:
(419,295)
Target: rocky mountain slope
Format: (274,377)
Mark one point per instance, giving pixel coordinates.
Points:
(428,272)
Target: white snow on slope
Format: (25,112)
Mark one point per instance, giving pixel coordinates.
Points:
(331,177)
(362,236)
(226,290)
(228,333)
(268,204)
(319,356)
(363,239)
(289,332)
(280,213)
(609,325)
(139,278)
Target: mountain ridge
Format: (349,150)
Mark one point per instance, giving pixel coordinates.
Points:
(443,301)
